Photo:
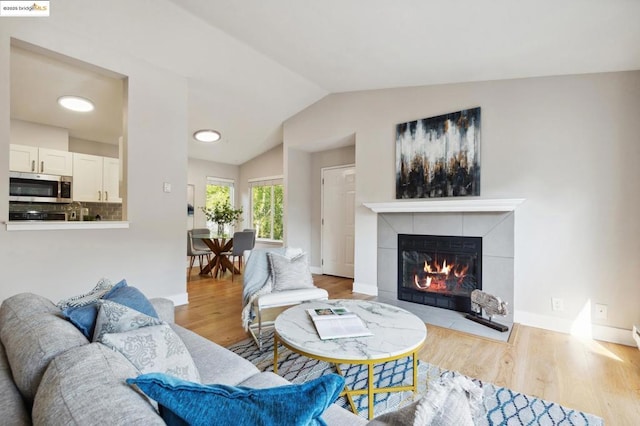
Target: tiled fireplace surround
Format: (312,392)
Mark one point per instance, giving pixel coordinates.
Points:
(497,231)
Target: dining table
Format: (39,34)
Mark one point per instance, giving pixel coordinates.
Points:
(219,245)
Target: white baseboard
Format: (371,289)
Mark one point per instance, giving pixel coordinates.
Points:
(560,325)
(179,299)
(369,289)
(563,325)
(605,333)
(316,270)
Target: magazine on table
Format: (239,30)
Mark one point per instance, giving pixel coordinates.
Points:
(335,323)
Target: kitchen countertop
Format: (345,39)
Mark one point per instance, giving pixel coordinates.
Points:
(20,225)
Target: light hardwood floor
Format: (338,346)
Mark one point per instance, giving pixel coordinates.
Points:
(597,377)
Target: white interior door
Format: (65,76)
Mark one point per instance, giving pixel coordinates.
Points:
(338,220)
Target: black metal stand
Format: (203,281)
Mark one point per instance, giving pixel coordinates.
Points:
(482,320)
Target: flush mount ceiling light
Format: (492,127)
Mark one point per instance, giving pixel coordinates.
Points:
(207,135)
(75,103)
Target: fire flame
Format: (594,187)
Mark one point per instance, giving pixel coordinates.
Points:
(435,276)
(424,285)
(444,269)
(462,272)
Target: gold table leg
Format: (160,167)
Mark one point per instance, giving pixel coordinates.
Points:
(415,373)
(370,391)
(275,353)
(346,391)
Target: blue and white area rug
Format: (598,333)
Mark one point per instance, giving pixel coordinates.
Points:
(502,406)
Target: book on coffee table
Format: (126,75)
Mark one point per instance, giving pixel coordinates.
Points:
(336,323)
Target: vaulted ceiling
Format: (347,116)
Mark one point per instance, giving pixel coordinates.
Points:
(252,64)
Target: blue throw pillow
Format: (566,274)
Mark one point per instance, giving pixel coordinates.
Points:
(84,317)
(183,402)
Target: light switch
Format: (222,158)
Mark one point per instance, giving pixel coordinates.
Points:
(167,187)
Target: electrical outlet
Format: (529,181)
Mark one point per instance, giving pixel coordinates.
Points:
(601,311)
(557,304)
(166,187)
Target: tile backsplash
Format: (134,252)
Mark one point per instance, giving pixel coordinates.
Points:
(106,211)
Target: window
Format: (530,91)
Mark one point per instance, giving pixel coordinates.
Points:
(219,191)
(267,199)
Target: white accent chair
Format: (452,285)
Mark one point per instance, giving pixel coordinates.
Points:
(279,300)
(264,305)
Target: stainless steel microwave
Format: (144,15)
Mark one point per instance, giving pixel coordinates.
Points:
(39,188)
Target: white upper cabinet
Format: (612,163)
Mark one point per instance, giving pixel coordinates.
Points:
(96,179)
(55,162)
(87,182)
(25,158)
(111,180)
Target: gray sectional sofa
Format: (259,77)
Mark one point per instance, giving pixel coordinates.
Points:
(50,374)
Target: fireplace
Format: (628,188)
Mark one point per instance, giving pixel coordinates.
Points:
(439,271)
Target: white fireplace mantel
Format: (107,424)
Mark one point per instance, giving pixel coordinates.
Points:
(445,206)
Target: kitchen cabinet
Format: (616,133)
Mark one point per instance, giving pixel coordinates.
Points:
(25,158)
(96,179)
(111,179)
(22,158)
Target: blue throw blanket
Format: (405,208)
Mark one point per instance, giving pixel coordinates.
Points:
(256,280)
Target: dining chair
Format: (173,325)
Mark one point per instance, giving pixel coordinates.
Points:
(198,244)
(197,248)
(254,236)
(242,240)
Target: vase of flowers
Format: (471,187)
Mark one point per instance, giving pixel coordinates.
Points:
(221,213)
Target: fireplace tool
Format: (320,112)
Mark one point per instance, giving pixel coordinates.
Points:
(492,305)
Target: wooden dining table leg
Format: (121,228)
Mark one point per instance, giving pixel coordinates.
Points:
(220,262)
(214,264)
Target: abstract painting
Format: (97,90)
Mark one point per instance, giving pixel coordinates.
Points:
(439,156)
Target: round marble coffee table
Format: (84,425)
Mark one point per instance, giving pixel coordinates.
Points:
(396,334)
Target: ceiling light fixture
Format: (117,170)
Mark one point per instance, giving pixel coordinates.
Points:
(76,103)
(207,135)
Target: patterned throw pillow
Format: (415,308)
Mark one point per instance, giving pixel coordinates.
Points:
(116,318)
(450,401)
(290,273)
(84,317)
(154,349)
(103,286)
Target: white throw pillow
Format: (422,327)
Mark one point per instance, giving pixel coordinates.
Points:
(154,349)
(290,273)
(452,401)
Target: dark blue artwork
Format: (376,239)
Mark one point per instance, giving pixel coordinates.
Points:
(439,156)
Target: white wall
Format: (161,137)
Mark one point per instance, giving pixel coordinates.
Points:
(568,145)
(297,199)
(40,135)
(150,254)
(198,172)
(102,149)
